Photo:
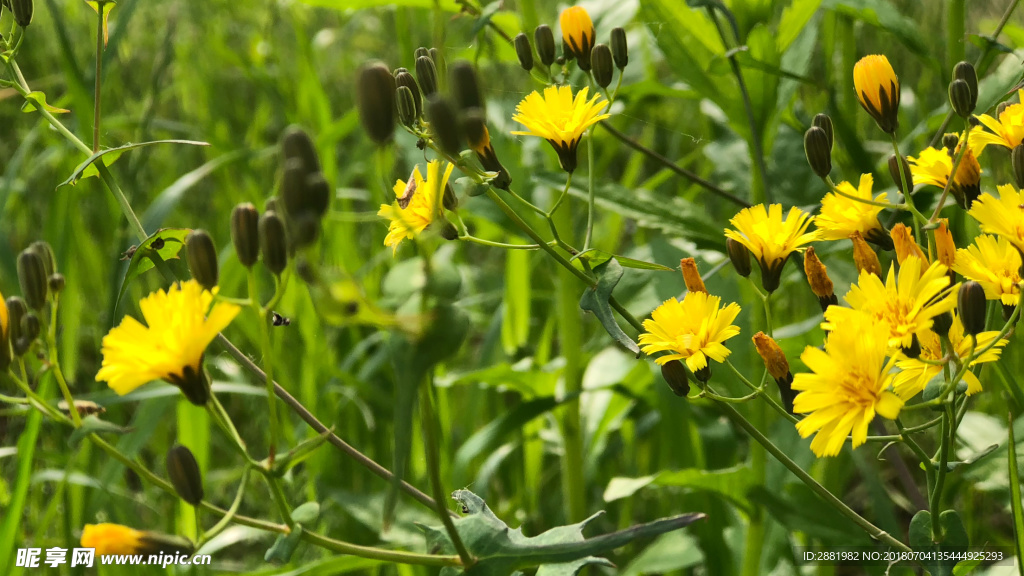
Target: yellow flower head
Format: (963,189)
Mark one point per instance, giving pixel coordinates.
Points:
(578,34)
(878,90)
(841,216)
(770,238)
(847,385)
(1007,131)
(906,305)
(906,246)
(995,264)
(1003,216)
(418,203)
(5,335)
(934,166)
(560,119)
(171,344)
(915,374)
(118,540)
(692,330)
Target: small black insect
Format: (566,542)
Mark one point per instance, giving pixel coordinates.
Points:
(279,320)
(157,244)
(465,509)
(421,144)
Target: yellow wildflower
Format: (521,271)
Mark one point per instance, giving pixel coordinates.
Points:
(578,34)
(692,330)
(770,238)
(934,166)
(995,264)
(418,203)
(1007,131)
(841,216)
(560,119)
(878,90)
(1003,216)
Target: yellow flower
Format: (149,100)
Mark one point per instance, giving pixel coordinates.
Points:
(171,347)
(847,386)
(770,238)
(995,264)
(915,374)
(578,34)
(118,540)
(560,119)
(1008,129)
(934,166)
(906,246)
(5,336)
(418,203)
(692,330)
(878,90)
(841,216)
(906,305)
(1003,216)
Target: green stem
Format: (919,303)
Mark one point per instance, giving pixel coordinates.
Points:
(51,347)
(268,365)
(956,16)
(99,74)
(590,188)
(482,242)
(908,201)
(935,499)
(956,166)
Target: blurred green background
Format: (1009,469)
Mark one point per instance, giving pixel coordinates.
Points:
(235,74)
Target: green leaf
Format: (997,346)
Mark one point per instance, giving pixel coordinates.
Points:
(303,450)
(165,243)
(597,257)
(596,300)
(1000,83)
(284,546)
(307,513)
(560,551)
(92,424)
(794,18)
(882,14)
(668,553)
(86,168)
(37,98)
(352,5)
(977,456)
(1015,501)
(954,535)
(730,483)
(107,7)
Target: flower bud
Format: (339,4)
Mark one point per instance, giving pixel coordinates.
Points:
(245,233)
(914,350)
(296,143)
(293,186)
(375,98)
(56,283)
(971,305)
(691,276)
(965,71)
(950,141)
(184,473)
(1017,161)
(421,51)
(304,230)
(544,38)
(777,365)
(817,277)
(945,248)
(465,87)
(474,127)
(318,195)
(444,124)
(523,51)
(406,106)
(32,277)
(406,80)
(449,200)
(818,151)
(941,323)
(960,98)
(449,232)
(878,90)
(577,35)
(601,61)
(894,172)
(16,312)
(202,258)
(864,257)
(45,252)
(426,73)
(620,50)
(30,330)
(273,242)
(23,10)
(824,122)
(739,255)
(675,376)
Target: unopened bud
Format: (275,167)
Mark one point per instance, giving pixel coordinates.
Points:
(864,257)
(449,232)
(375,98)
(523,51)
(45,252)
(817,277)
(971,304)
(16,312)
(739,255)
(965,71)
(318,195)
(1017,161)
(184,473)
(245,233)
(824,122)
(293,186)
(691,276)
(30,330)
(914,350)
(32,277)
(818,151)
(296,143)
(421,51)
(444,124)
(941,323)
(894,172)
(465,87)
(426,73)
(23,10)
(544,38)
(950,141)
(601,62)
(960,98)
(406,106)
(474,127)
(675,376)
(449,200)
(273,242)
(56,283)
(406,80)
(777,365)
(202,258)
(304,230)
(620,50)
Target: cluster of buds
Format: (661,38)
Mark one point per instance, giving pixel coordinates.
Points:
(578,43)
(20,323)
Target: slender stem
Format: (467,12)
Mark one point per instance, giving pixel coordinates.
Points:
(232,511)
(591,186)
(561,198)
(908,201)
(482,242)
(952,172)
(935,500)
(99,73)
(51,347)
(761,392)
(433,450)
(835,190)
(268,365)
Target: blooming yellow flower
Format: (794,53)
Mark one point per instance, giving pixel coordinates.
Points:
(878,90)
(692,330)
(906,246)
(115,539)
(1003,216)
(915,374)
(770,238)
(578,34)
(418,203)
(934,166)
(906,305)
(847,386)
(560,119)
(172,344)
(995,264)
(5,336)
(1008,129)
(841,216)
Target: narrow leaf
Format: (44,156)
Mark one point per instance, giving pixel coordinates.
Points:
(92,424)
(166,243)
(82,171)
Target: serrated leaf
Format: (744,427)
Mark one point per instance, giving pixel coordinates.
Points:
(37,98)
(86,168)
(561,551)
(166,243)
(93,425)
(596,300)
(284,546)
(597,257)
